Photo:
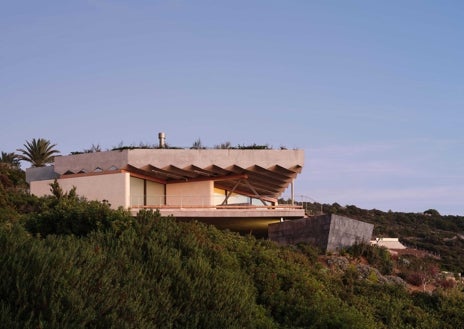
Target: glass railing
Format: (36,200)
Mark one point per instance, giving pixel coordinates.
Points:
(196,201)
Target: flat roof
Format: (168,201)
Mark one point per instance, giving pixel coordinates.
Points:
(249,172)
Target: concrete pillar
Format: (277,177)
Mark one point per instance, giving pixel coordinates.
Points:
(292,193)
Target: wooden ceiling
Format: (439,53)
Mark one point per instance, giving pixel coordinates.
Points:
(252,181)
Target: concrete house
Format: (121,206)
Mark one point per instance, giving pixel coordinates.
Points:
(185,183)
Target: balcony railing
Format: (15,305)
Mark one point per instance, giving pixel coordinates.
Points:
(202,202)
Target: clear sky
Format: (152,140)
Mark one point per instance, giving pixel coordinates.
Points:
(373,91)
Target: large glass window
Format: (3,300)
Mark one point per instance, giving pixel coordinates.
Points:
(155,194)
(234,198)
(146,193)
(137,193)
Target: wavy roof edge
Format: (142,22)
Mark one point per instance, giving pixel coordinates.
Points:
(180,158)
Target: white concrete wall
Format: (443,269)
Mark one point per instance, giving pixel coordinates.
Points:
(190,194)
(222,158)
(41,187)
(178,157)
(111,187)
(389,243)
(90,161)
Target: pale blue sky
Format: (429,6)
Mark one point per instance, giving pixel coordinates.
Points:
(373,91)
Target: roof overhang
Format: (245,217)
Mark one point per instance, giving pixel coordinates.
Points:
(266,173)
(255,180)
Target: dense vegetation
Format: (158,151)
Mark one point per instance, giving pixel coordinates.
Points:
(72,263)
(442,236)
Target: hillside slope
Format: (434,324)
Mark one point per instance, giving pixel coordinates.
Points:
(72,263)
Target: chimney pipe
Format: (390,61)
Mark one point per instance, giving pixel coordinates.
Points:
(162,140)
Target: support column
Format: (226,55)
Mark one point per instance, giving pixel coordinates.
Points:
(144,192)
(292,193)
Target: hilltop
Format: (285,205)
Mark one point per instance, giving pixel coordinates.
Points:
(429,232)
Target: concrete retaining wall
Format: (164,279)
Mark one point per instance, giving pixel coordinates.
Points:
(327,232)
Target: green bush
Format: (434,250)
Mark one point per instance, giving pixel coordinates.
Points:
(120,280)
(78,264)
(159,273)
(75,216)
(376,256)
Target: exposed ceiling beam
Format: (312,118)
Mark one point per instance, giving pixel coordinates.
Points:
(202,179)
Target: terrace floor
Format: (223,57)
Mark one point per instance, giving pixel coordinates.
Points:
(243,219)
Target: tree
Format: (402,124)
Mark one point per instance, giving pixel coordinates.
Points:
(93,149)
(432,212)
(9,159)
(38,152)
(11,174)
(197,144)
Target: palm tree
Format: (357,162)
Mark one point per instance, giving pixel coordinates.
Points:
(9,159)
(38,152)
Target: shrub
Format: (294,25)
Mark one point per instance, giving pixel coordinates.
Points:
(414,278)
(378,257)
(446,283)
(77,217)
